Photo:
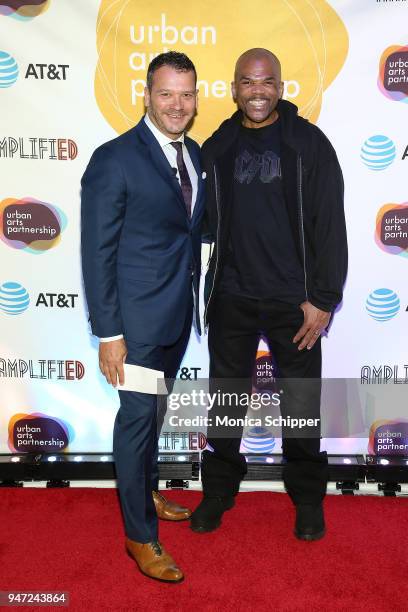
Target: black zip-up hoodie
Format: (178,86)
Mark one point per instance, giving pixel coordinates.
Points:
(313,189)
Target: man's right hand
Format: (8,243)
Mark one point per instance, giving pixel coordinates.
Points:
(112,356)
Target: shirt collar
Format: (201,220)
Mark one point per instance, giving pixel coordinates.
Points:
(160,137)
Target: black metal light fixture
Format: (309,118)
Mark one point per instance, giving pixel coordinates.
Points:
(57,469)
(347,471)
(264,467)
(389,471)
(177,469)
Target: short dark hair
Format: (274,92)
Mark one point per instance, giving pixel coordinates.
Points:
(178,61)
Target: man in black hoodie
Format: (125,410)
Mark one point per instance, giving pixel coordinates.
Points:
(275,212)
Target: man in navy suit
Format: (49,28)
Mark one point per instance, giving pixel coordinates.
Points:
(142,205)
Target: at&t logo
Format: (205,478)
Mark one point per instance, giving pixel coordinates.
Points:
(53,72)
(378,152)
(383,304)
(14,298)
(8,70)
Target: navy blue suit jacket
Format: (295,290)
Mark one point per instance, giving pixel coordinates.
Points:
(139,247)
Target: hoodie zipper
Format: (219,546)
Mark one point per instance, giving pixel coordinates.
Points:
(302,232)
(217,244)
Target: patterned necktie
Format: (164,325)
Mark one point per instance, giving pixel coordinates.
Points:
(185,182)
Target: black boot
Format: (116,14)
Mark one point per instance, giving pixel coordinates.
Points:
(207,516)
(309,522)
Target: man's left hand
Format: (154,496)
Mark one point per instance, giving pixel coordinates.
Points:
(315,322)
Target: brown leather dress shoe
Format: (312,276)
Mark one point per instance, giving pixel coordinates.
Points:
(169,511)
(154,561)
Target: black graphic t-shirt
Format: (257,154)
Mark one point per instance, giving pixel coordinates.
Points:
(262,261)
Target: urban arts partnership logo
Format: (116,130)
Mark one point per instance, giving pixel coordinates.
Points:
(23,9)
(138,32)
(35,432)
(14,298)
(263,377)
(391,231)
(383,304)
(30,224)
(388,437)
(258,439)
(378,152)
(8,70)
(393,73)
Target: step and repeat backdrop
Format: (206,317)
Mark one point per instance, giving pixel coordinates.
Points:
(72,74)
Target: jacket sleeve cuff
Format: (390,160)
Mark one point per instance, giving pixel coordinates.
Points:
(322,305)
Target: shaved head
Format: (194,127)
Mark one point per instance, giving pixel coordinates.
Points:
(256,54)
(257,87)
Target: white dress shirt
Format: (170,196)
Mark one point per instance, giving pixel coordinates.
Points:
(171,155)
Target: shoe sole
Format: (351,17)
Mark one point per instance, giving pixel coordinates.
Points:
(204,529)
(153,577)
(309,537)
(179,520)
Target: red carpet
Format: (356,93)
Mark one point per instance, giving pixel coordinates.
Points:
(72,540)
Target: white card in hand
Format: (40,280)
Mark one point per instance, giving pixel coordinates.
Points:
(139,378)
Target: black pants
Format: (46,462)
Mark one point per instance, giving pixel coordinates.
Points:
(234,334)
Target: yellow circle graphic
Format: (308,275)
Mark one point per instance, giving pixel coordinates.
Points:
(307,35)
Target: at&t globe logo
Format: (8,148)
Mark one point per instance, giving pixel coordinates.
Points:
(14,298)
(378,152)
(383,304)
(8,70)
(258,440)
